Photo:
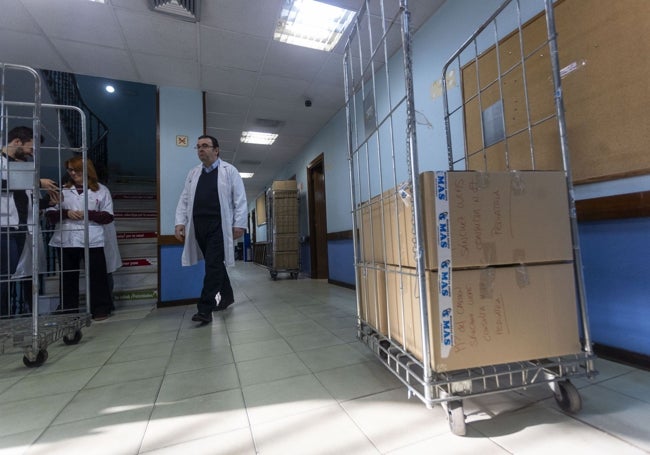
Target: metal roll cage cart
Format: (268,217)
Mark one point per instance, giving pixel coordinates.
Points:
(282,252)
(374,143)
(43,326)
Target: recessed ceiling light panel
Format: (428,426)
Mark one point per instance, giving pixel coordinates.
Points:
(312,24)
(255,137)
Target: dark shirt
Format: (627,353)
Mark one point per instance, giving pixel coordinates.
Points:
(206,198)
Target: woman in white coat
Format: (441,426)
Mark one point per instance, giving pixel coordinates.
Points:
(70,237)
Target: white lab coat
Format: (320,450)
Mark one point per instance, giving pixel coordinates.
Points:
(8,210)
(70,233)
(111,248)
(234,211)
(9,217)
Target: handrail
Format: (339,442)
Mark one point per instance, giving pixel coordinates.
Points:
(64,90)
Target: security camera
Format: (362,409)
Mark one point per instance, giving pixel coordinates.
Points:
(307,103)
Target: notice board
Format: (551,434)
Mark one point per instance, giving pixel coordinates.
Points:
(603,51)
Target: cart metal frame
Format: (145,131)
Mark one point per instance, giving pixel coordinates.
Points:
(372,144)
(36,333)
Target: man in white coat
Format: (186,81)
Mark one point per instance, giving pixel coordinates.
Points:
(211,213)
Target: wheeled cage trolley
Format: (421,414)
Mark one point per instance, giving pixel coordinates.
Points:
(283,248)
(31,319)
(449,308)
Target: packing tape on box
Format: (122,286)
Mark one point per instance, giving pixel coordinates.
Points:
(486,283)
(443,243)
(521,276)
(517,183)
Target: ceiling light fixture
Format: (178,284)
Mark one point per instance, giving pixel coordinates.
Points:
(312,24)
(246,175)
(255,137)
(110,89)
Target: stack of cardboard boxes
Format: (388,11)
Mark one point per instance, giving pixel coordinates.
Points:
(502,244)
(282,200)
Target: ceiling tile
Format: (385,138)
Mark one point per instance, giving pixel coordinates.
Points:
(217,49)
(282,88)
(163,35)
(87,22)
(225,121)
(228,80)
(252,17)
(35,51)
(167,71)
(292,61)
(224,103)
(15,17)
(97,60)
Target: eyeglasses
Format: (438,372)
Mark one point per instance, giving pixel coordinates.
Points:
(71,170)
(203,146)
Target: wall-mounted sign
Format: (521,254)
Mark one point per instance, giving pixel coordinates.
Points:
(182,141)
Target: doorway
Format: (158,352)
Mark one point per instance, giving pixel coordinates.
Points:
(317,218)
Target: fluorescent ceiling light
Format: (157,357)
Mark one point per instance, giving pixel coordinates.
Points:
(255,137)
(246,175)
(98,1)
(312,24)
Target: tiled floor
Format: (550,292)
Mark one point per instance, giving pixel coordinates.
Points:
(281,372)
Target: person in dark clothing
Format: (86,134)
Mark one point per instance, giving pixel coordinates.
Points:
(211,213)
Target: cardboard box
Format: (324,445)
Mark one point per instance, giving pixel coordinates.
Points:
(374,240)
(285,242)
(498,218)
(285,260)
(284,185)
(372,298)
(499,315)
(493,218)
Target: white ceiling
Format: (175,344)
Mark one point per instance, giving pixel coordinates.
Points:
(230,54)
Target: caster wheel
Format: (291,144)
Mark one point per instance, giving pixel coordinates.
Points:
(294,275)
(40,359)
(456,418)
(274,275)
(74,339)
(567,397)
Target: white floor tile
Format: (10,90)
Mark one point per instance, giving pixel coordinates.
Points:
(328,430)
(282,372)
(237,442)
(270,369)
(32,414)
(110,434)
(285,397)
(180,421)
(538,429)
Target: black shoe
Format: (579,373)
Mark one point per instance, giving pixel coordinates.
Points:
(223,305)
(200,317)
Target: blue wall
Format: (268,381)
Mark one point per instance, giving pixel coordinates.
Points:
(617,280)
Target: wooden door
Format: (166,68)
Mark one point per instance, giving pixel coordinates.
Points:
(317,219)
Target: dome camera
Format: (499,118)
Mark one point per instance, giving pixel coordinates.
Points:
(307,102)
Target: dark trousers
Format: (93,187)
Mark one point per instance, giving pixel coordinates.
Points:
(209,237)
(9,255)
(100,303)
(22,289)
